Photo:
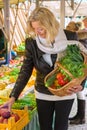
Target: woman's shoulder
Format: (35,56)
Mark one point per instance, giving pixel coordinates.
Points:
(30,41)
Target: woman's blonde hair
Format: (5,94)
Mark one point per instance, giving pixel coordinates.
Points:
(47,20)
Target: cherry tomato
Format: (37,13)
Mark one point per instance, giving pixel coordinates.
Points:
(61,79)
(59,75)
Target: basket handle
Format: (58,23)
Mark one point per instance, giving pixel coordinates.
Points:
(58,64)
(85,57)
(50,74)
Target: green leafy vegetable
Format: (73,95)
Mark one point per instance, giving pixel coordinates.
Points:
(73,60)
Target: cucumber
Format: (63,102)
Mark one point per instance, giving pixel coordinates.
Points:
(50,80)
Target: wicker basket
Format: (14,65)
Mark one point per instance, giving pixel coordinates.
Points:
(75,81)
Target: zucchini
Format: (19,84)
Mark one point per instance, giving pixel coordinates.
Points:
(50,80)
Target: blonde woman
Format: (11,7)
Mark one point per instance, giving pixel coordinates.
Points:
(42,47)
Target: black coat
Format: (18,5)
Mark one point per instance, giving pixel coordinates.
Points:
(33,58)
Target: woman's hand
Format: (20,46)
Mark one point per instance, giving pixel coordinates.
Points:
(74,89)
(8,104)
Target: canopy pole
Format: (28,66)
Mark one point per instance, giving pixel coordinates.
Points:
(7,28)
(62,13)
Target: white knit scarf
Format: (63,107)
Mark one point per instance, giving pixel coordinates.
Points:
(59,45)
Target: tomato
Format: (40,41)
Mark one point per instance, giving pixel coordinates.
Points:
(61,82)
(59,76)
(61,79)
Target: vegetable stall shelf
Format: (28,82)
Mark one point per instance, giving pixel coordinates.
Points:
(20,124)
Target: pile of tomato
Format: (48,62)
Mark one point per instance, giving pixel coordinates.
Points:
(60,81)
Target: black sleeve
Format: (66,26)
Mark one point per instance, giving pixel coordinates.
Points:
(25,72)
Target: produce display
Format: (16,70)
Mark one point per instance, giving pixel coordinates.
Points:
(18,118)
(27,101)
(72,67)
(9,75)
(14,120)
(17,61)
(20,47)
(5,115)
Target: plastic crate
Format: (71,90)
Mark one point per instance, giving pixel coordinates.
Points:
(20,124)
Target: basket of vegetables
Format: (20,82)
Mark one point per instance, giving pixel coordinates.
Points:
(70,71)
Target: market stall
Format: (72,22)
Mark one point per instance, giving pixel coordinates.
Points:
(8,76)
(9,73)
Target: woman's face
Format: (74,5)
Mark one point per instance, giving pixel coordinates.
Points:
(38,29)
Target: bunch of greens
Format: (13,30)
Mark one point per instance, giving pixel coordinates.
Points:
(73,61)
